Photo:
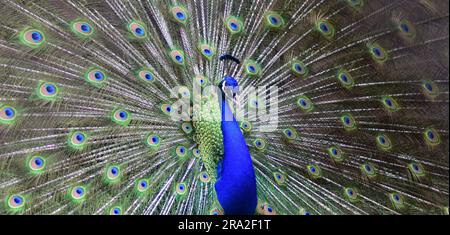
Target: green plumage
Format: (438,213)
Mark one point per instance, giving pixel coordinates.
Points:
(208,134)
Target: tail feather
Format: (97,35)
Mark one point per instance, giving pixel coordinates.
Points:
(88,86)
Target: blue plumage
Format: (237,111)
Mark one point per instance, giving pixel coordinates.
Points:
(236,185)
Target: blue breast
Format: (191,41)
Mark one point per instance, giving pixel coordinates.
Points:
(236,185)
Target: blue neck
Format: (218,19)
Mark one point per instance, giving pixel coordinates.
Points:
(236,185)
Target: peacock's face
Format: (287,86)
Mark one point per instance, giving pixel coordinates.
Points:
(230,87)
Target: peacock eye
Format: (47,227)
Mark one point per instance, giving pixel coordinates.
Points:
(390,104)
(36,36)
(351,194)
(116,211)
(345,79)
(16,202)
(36,164)
(152,141)
(207,51)
(305,104)
(82,29)
(397,201)
(166,109)
(184,92)
(181,152)
(145,75)
(201,80)
(32,38)
(112,174)
(348,122)
(78,193)
(216,211)
(47,91)
(181,189)
(137,30)
(325,28)
(303,211)
(196,152)
(252,68)
(336,154)
(95,77)
(290,134)
(8,114)
(274,20)
(142,186)
(121,117)
(179,14)
(368,170)
(234,25)
(85,28)
(280,178)
(187,128)
(416,170)
(299,68)
(77,140)
(254,103)
(259,144)
(204,177)
(177,57)
(378,53)
(266,209)
(314,171)
(430,89)
(406,28)
(384,142)
(432,137)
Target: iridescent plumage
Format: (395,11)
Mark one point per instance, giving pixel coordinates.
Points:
(97,100)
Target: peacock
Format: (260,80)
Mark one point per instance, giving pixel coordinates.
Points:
(214,107)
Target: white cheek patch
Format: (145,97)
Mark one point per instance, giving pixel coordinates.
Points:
(236,90)
(231,94)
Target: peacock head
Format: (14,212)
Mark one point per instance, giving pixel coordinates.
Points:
(229,87)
